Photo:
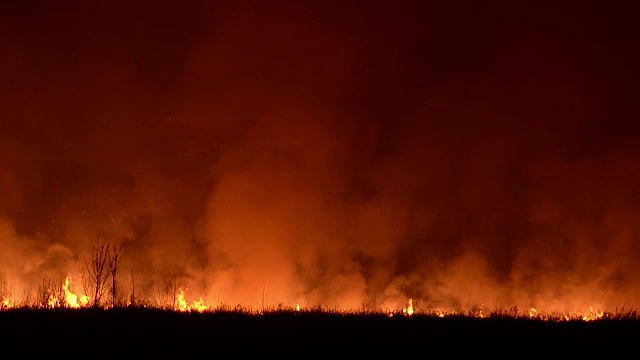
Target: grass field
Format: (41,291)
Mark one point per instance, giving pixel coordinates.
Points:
(306,334)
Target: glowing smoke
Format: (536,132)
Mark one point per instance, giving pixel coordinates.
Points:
(319,155)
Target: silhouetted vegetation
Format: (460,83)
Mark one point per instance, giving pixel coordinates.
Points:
(238,331)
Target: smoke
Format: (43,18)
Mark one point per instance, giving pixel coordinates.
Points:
(324,154)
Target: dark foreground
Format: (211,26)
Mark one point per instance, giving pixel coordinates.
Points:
(126,332)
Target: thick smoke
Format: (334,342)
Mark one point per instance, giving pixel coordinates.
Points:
(333,155)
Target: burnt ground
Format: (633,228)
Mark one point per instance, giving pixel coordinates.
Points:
(88,333)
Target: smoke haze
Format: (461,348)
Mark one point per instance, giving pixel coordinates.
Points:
(355,155)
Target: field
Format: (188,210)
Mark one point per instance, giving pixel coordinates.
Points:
(305,334)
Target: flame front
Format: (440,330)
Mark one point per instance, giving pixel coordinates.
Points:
(593,315)
(182,305)
(62,295)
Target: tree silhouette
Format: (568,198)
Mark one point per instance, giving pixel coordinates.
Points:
(98,268)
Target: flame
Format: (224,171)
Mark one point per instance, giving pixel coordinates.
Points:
(64,296)
(593,315)
(409,309)
(74,301)
(70,298)
(199,305)
(182,305)
(53,301)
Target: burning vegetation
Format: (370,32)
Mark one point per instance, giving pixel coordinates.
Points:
(99,278)
(286,162)
(53,297)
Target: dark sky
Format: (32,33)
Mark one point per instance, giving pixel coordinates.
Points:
(335,153)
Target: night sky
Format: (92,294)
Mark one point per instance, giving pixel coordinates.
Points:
(337,153)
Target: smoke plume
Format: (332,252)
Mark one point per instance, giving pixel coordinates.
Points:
(461,155)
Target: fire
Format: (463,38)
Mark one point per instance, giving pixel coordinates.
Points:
(182,305)
(592,315)
(53,301)
(199,305)
(70,298)
(409,309)
(62,295)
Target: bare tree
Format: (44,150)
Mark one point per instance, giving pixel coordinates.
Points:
(133,299)
(115,261)
(100,267)
(168,291)
(50,293)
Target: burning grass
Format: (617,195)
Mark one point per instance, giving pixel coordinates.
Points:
(56,316)
(63,298)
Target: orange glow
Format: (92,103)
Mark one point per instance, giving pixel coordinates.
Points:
(73,300)
(65,296)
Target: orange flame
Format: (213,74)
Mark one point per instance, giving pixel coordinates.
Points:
(592,315)
(199,305)
(53,301)
(182,305)
(64,296)
(70,298)
(409,309)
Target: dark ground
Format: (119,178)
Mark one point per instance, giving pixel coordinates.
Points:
(156,333)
